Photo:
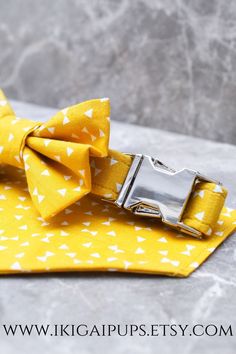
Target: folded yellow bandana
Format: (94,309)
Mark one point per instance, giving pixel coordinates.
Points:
(52,178)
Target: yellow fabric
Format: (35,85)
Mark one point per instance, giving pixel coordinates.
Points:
(55,155)
(204,207)
(48,224)
(108,174)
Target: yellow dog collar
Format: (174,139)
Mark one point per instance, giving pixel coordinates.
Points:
(66,159)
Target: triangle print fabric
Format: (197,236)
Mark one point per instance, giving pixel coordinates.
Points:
(58,225)
(91,235)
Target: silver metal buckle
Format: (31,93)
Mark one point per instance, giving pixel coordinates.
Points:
(155,190)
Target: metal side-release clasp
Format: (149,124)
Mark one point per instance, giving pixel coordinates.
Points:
(155,190)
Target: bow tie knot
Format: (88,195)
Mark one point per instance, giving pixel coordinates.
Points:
(14,132)
(56,154)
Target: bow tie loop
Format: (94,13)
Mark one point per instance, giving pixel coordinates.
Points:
(56,154)
(14,132)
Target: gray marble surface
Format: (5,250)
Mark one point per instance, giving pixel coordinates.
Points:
(169,64)
(207,296)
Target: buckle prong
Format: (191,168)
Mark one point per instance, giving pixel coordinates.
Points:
(152,189)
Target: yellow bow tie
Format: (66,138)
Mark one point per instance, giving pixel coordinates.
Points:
(66,158)
(56,155)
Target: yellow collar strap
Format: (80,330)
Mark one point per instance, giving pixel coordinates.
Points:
(63,160)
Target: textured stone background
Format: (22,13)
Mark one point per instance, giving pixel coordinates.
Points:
(170,64)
